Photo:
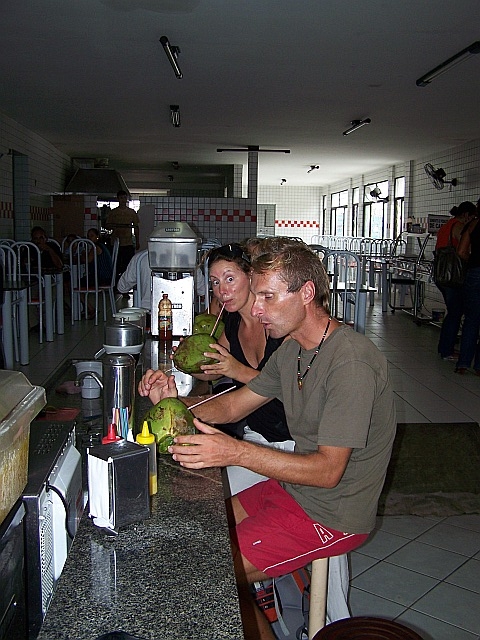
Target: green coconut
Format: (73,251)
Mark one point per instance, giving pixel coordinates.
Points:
(167,419)
(189,357)
(204,323)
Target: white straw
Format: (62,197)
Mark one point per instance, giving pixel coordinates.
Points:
(217,320)
(211,397)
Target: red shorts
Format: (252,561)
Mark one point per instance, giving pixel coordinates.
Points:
(278,536)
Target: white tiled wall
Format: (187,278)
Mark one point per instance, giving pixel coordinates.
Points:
(298,209)
(44,173)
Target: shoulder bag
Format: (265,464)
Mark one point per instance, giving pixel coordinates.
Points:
(449,269)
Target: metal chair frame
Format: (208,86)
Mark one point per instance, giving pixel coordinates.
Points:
(29,268)
(345,272)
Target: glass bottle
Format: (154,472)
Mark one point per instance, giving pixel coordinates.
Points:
(165,319)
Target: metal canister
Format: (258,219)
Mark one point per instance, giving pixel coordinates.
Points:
(119,392)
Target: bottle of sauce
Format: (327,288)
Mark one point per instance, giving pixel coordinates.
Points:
(165,319)
(147,439)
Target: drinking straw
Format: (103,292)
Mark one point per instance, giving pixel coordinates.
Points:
(217,320)
(211,397)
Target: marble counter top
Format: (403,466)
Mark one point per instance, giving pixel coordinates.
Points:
(168,577)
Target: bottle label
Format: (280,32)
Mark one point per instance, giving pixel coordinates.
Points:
(164,323)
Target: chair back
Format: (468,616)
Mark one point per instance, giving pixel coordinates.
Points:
(110,288)
(29,268)
(8,259)
(82,279)
(320,250)
(116,244)
(344,269)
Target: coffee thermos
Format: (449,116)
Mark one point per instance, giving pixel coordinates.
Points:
(119,393)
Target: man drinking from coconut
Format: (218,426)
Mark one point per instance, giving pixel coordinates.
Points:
(321,499)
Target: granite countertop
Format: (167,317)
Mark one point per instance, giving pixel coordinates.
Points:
(168,577)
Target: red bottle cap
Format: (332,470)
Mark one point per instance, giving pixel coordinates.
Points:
(111,434)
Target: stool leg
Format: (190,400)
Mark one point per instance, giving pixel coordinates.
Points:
(318,596)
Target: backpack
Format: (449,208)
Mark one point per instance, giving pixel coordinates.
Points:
(449,269)
(285,601)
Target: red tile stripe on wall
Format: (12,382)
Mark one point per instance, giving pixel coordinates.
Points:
(41,213)
(210,215)
(6,210)
(304,224)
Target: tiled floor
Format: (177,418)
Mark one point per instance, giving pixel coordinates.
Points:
(423,572)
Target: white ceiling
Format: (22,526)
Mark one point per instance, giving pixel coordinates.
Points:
(93,79)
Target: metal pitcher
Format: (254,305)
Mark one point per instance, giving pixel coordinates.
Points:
(119,392)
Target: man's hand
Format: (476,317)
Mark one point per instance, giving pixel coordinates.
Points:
(210,448)
(156,385)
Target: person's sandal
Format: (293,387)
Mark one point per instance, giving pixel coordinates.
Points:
(462,371)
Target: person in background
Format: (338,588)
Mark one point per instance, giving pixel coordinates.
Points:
(128,280)
(124,224)
(469,250)
(104,259)
(50,254)
(66,246)
(321,500)
(449,234)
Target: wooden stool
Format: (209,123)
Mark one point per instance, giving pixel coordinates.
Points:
(318,596)
(365,628)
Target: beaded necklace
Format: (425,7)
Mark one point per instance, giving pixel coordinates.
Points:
(300,377)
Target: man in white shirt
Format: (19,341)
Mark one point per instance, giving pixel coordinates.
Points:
(128,279)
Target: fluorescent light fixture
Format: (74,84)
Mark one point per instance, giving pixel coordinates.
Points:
(356,124)
(255,148)
(172,55)
(448,64)
(175,115)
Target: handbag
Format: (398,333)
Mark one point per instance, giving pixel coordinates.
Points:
(449,269)
(285,601)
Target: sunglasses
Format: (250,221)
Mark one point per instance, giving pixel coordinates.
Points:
(228,251)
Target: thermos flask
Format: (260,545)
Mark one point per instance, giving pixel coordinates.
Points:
(119,393)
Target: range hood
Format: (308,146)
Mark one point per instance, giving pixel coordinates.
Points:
(104,183)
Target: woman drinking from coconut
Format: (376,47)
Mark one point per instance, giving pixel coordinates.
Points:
(241,351)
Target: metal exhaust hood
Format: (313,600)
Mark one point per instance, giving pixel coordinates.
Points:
(104,183)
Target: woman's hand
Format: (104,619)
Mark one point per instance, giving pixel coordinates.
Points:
(156,385)
(227,365)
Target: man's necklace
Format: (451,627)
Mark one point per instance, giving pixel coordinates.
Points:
(300,377)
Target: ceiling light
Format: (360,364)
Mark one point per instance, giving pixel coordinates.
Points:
(256,148)
(172,55)
(313,167)
(448,64)
(356,124)
(175,115)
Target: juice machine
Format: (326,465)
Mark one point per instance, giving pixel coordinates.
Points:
(172,255)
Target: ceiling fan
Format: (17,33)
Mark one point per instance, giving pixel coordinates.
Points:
(437,177)
(375,195)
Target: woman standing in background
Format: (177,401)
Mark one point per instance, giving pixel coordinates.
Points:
(449,234)
(469,250)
